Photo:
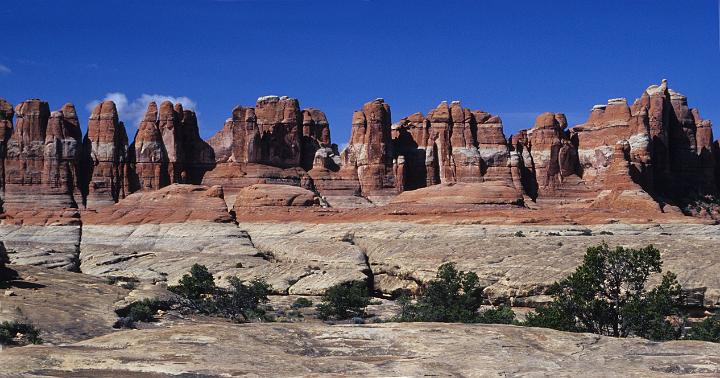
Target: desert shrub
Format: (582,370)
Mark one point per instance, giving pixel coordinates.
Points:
(606,295)
(241,302)
(552,316)
(453,296)
(497,315)
(196,284)
(302,302)
(28,334)
(706,330)
(140,311)
(344,301)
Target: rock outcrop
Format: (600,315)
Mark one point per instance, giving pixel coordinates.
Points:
(452,144)
(259,195)
(210,348)
(369,155)
(6,126)
(150,163)
(272,143)
(107,161)
(42,163)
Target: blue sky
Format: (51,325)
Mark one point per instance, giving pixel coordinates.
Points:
(516,59)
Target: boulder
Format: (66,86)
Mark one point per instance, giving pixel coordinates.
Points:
(259,195)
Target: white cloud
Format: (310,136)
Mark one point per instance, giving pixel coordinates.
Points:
(132,112)
(5,70)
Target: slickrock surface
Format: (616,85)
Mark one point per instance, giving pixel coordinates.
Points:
(219,349)
(516,263)
(158,235)
(66,307)
(45,246)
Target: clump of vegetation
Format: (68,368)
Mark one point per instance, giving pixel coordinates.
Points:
(302,303)
(195,285)
(519,234)
(706,330)
(453,296)
(140,311)
(19,334)
(241,302)
(607,295)
(344,301)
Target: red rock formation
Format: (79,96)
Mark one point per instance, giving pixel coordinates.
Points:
(6,126)
(461,195)
(554,158)
(172,204)
(620,192)
(106,150)
(279,121)
(198,156)
(316,135)
(453,144)
(259,195)
(151,159)
(41,165)
(63,150)
(266,144)
(667,150)
(170,126)
(493,149)
(369,152)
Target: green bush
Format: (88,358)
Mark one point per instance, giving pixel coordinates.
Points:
(606,295)
(195,285)
(140,311)
(344,301)
(498,315)
(241,302)
(553,316)
(706,330)
(453,296)
(28,334)
(302,302)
